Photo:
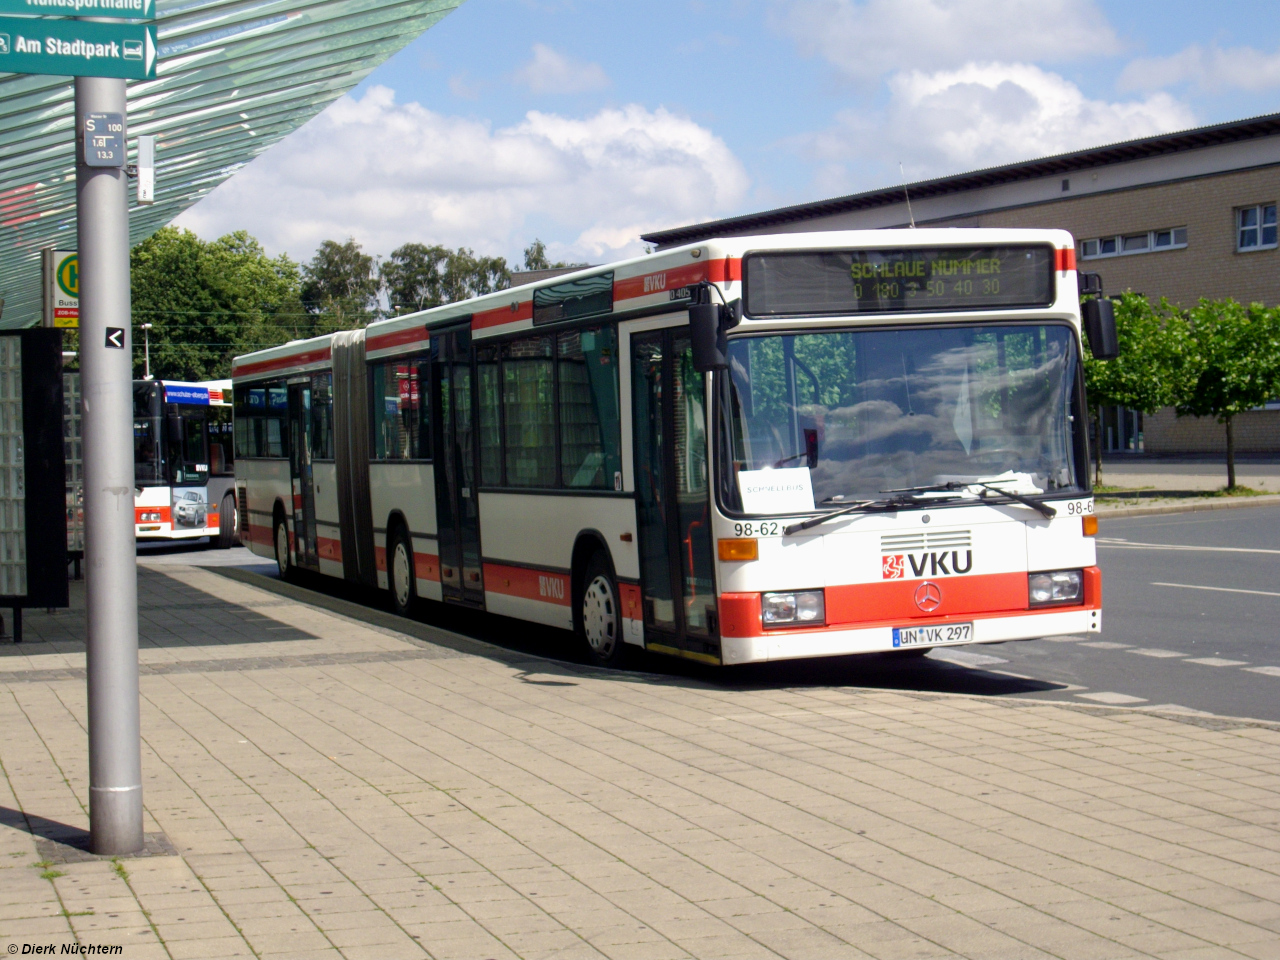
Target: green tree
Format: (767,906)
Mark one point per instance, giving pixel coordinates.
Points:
(1235,365)
(413,277)
(418,277)
(1154,368)
(340,287)
(535,258)
(208,302)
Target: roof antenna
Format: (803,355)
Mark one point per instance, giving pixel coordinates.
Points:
(910,215)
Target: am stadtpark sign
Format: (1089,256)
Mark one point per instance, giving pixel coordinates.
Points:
(111,9)
(77,48)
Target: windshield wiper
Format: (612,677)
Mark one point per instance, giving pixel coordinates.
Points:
(1043,508)
(905,498)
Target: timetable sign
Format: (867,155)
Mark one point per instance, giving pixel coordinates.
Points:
(107,9)
(104,140)
(77,48)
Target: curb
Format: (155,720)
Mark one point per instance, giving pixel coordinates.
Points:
(1191,506)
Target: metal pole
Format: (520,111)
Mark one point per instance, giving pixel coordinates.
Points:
(111,581)
(146,347)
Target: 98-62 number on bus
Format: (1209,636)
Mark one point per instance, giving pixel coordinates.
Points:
(765,528)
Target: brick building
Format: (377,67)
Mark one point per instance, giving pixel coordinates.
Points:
(1184,215)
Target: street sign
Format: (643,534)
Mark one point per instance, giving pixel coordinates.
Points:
(104,140)
(107,9)
(77,48)
(115,338)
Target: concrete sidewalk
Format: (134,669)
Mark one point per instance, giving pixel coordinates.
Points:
(321,784)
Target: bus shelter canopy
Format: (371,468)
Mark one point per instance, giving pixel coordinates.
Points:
(232,78)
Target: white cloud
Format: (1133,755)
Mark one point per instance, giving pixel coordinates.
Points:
(1213,69)
(551,72)
(389,173)
(986,114)
(866,38)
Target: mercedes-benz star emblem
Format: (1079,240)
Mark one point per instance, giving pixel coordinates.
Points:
(928,596)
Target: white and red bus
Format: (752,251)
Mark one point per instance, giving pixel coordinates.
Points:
(746,449)
(183,461)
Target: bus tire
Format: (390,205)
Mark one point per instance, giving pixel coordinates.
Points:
(401,577)
(227,518)
(283,563)
(600,613)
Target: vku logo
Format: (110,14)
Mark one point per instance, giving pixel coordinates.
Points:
(930,564)
(655,282)
(551,587)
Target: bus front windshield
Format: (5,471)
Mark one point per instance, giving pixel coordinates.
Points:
(850,414)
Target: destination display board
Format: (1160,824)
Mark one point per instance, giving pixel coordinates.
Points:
(917,279)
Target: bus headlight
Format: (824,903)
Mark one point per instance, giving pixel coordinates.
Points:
(790,609)
(1058,586)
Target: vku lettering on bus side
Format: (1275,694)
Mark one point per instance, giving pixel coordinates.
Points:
(936,563)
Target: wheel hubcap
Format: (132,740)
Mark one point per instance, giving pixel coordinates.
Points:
(600,616)
(282,548)
(400,573)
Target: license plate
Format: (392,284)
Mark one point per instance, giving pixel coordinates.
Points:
(932,636)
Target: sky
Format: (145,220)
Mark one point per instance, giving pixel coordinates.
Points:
(586,123)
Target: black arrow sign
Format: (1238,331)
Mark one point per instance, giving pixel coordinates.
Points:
(115,338)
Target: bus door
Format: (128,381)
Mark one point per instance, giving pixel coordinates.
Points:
(304,500)
(457,502)
(673,495)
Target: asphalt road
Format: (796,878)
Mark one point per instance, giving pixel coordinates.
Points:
(1191,622)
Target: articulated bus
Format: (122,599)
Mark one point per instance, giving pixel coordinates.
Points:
(747,449)
(183,461)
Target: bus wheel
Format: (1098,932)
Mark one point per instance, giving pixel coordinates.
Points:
(600,616)
(282,550)
(403,585)
(227,523)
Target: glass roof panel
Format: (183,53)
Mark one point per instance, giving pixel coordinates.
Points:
(233,78)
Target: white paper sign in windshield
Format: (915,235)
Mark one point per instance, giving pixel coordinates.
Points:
(776,491)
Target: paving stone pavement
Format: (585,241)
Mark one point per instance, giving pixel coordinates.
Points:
(332,787)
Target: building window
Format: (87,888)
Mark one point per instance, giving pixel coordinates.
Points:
(1256,227)
(1171,238)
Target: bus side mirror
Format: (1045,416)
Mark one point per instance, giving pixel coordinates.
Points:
(708,340)
(708,324)
(1100,327)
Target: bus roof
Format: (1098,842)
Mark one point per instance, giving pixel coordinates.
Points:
(640,284)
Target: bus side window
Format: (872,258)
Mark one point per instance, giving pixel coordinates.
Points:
(590,454)
(398,397)
(275,437)
(322,416)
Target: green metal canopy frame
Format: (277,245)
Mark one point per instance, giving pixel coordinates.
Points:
(233,78)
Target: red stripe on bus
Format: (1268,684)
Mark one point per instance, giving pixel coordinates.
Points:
(632,602)
(319,355)
(380,559)
(542,585)
(660,281)
(892,603)
(1064,260)
(495,318)
(329,549)
(398,338)
(426,566)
